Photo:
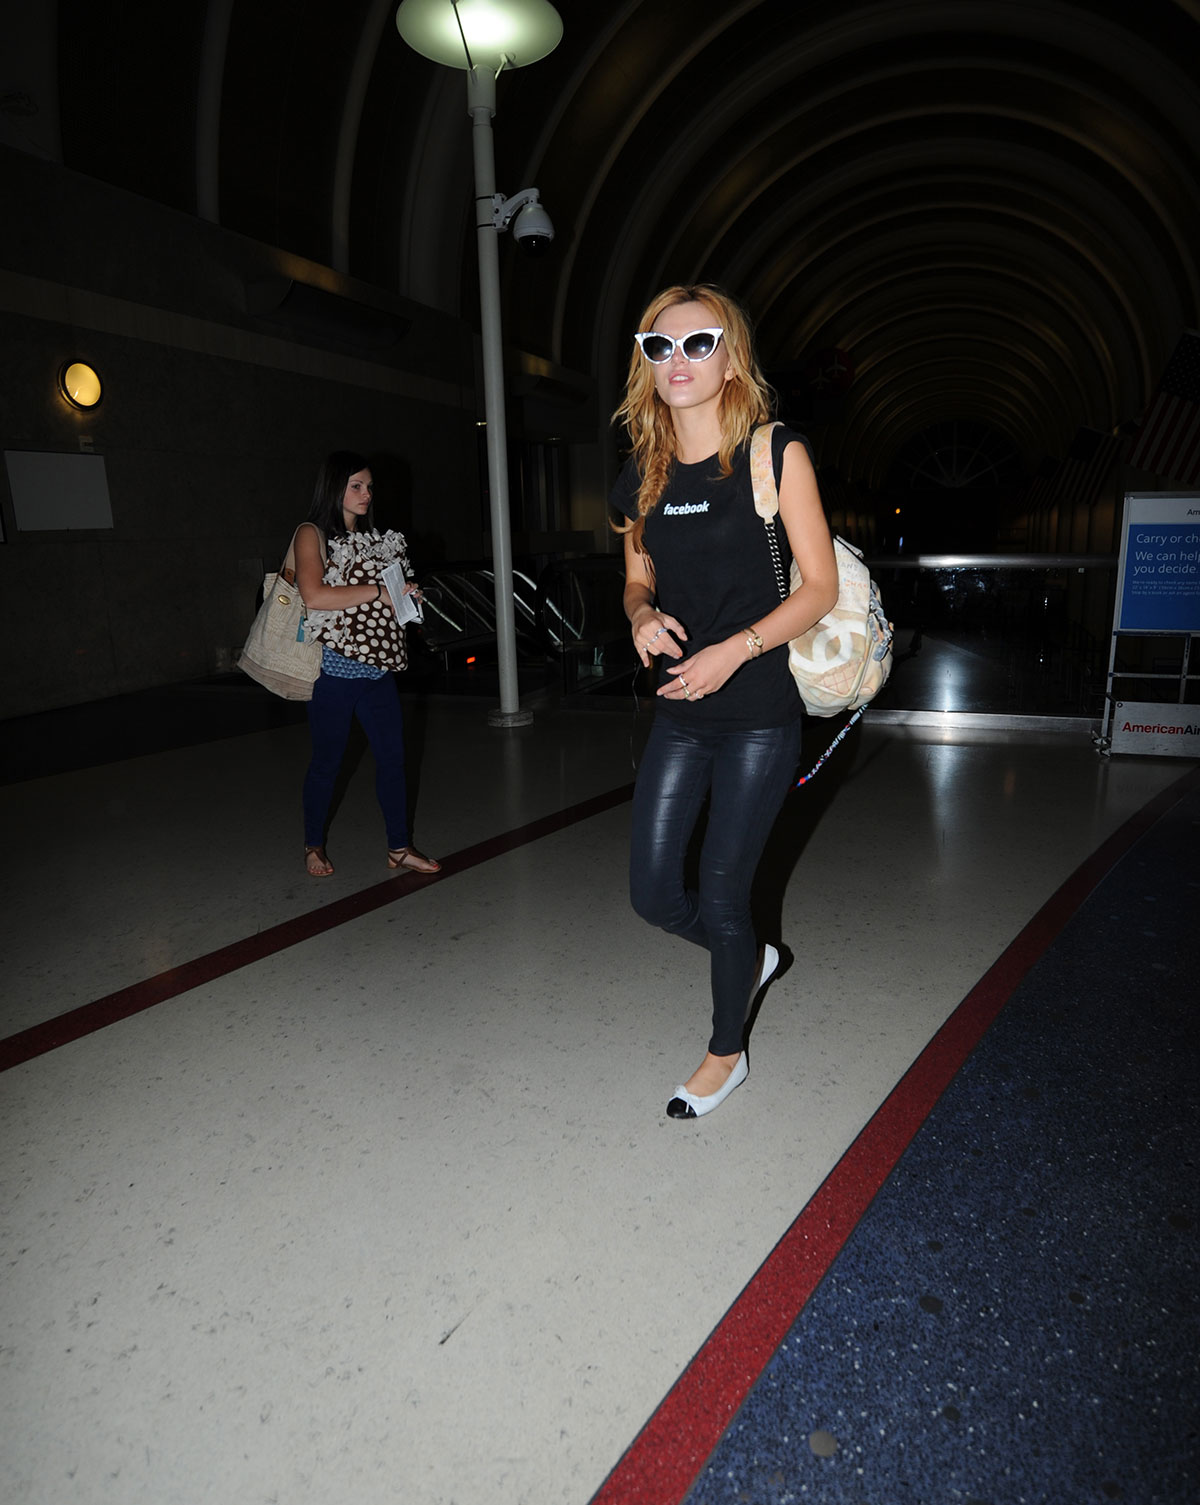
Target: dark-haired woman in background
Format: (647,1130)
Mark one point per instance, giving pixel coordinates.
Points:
(700,592)
(340,558)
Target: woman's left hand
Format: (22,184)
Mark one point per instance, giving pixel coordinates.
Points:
(704,673)
(413,589)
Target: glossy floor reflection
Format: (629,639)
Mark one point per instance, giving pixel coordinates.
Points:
(393,1211)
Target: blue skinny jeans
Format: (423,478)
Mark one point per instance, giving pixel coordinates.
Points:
(747,773)
(331,710)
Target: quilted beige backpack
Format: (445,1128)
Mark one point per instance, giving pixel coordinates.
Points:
(844,660)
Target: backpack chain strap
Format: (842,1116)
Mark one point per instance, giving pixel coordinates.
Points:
(776,558)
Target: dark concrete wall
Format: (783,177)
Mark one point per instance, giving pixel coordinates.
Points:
(212,425)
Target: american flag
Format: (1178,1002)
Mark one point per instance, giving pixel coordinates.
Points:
(1168,443)
(1088,464)
(1040,491)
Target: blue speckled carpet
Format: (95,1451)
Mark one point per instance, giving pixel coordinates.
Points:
(1014,1317)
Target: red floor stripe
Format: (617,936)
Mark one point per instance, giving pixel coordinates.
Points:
(666,1457)
(89,1017)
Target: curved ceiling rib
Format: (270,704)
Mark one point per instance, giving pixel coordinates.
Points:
(211,71)
(995,207)
(1092,313)
(1079,177)
(347,137)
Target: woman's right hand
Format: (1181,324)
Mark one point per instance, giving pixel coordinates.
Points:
(652,636)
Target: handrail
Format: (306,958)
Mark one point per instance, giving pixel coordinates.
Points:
(460,606)
(994,562)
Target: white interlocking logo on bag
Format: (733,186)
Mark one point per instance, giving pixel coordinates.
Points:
(826,648)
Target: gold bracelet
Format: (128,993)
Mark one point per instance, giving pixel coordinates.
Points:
(753,642)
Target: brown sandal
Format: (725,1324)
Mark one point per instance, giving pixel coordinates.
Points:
(412,861)
(324,869)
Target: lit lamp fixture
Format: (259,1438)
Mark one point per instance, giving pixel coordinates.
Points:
(491,34)
(485,37)
(80,385)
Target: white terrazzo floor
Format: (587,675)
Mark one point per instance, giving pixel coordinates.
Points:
(395,1214)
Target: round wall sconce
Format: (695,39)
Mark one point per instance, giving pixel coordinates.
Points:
(80,385)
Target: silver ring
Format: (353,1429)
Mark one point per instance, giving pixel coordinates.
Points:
(687,694)
(657,634)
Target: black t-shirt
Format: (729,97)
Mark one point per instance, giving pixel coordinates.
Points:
(713,572)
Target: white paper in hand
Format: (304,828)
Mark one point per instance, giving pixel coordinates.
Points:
(406,607)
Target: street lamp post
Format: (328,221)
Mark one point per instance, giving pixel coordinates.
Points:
(485,37)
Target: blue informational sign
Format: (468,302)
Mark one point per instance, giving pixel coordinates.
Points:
(1158,584)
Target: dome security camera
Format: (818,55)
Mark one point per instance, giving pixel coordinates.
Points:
(532,229)
(531,226)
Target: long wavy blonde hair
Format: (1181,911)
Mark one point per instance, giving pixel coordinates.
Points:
(746,399)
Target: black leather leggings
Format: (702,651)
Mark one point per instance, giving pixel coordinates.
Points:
(748,774)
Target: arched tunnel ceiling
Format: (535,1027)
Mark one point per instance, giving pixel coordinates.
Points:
(992,208)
